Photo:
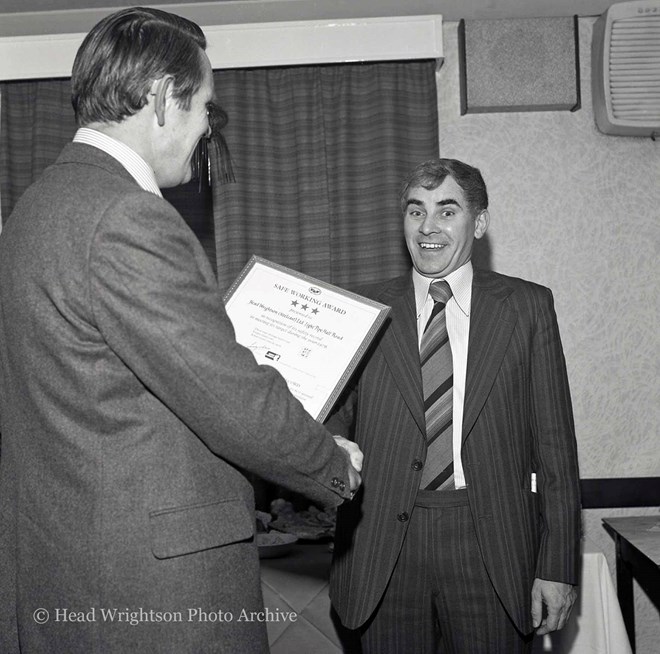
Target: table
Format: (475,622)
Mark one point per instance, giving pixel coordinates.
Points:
(299,582)
(637,540)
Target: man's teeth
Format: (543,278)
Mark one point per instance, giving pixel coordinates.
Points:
(432,246)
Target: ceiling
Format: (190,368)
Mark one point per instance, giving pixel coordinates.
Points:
(57,16)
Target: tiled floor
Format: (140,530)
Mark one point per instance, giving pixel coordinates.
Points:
(298,582)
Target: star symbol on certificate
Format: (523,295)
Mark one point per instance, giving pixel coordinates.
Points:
(315,310)
(294,303)
(304,307)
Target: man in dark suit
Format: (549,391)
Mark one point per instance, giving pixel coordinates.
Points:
(127,408)
(465,534)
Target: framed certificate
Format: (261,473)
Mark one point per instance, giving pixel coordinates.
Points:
(312,332)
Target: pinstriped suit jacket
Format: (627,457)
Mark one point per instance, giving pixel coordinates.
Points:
(517,420)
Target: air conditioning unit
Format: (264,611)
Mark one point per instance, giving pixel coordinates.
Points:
(626,69)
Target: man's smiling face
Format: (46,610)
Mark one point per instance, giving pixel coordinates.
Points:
(440,228)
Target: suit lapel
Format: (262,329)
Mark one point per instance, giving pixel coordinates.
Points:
(491,326)
(399,345)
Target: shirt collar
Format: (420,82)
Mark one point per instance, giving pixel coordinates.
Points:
(139,169)
(460,282)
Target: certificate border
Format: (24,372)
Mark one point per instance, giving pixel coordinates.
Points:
(382,311)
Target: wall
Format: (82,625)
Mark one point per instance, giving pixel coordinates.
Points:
(57,16)
(579,212)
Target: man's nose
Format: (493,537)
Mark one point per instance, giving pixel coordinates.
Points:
(429,225)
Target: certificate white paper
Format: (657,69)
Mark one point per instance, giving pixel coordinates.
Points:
(312,332)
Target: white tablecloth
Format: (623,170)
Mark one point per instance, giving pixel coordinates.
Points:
(596,624)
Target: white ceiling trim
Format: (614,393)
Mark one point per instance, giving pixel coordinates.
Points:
(255,45)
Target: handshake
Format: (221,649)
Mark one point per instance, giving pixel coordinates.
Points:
(355,457)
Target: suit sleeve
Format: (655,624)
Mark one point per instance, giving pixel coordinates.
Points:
(156,303)
(555,450)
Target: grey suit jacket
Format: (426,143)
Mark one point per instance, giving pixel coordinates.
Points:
(517,420)
(127,413)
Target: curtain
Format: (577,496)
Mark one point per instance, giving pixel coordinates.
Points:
(319,153)
(37,121)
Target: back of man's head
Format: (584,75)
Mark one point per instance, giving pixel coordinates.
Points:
(124,54)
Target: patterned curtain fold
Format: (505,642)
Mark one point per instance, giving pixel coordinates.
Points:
(37,121)
(319,153)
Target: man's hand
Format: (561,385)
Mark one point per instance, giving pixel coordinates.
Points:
(558,599)
(355,457)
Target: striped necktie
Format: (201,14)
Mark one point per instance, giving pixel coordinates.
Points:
(437,381)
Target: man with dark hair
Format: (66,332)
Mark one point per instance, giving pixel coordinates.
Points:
(127,409)
(464,536)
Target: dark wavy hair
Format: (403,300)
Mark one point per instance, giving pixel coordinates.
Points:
(124,53)
(430,174)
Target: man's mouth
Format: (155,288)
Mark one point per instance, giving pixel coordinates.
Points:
(432,246)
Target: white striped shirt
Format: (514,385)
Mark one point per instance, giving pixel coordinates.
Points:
(139,169)
(457,315)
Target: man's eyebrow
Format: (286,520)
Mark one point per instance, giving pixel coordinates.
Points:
(440,203)
(417,203)
(447,201)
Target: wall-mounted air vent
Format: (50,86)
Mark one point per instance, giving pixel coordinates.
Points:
(626,69)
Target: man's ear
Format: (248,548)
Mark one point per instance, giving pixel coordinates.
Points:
(160,89)
(481,223)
